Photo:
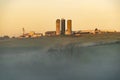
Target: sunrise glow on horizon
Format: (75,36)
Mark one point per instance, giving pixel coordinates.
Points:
(41,15)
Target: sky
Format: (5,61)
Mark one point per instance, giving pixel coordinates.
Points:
(41,15)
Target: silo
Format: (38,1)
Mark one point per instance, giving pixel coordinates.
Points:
(69,27)
(62,26)
(58,27)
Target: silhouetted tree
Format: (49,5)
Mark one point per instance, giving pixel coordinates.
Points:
(6,37)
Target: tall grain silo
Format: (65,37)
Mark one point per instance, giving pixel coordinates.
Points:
(58,27)
(69,27)
(62,26)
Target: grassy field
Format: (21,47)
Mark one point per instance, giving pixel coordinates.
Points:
(48,41)
(87,57)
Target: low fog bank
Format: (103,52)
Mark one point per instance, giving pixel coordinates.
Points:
(58,59)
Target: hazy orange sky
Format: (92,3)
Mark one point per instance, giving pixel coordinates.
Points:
(40,15)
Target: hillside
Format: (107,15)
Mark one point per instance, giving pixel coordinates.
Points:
(88,57)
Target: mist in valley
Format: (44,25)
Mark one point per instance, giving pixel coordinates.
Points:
(40,59)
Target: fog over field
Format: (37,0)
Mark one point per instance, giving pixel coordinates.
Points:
(89,57)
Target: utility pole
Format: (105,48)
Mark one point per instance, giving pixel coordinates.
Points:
(23,31)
